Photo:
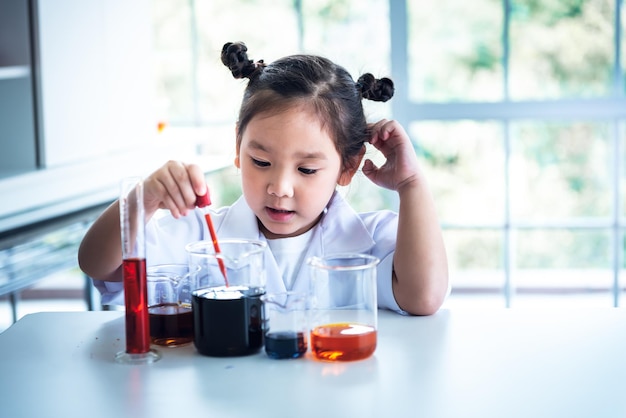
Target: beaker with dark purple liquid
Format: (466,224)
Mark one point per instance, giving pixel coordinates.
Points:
(286,325)
(228,317)
(228,320)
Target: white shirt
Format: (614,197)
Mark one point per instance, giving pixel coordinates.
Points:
(340,230)
(289,255)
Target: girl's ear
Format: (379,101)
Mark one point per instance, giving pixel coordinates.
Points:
(350,170)
(237,161)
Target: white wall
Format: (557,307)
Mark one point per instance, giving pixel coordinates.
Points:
(96,78)
(96,110)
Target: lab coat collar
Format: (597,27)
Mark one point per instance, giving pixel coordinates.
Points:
(239,222)
(340,230)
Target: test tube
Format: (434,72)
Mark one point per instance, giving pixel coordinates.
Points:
(132,226)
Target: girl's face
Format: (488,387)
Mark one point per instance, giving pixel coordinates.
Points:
(289,168)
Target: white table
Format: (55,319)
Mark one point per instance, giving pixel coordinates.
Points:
(461,363)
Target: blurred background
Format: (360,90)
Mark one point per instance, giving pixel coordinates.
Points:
(516,108)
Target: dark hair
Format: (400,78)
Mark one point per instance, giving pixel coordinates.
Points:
(310,79)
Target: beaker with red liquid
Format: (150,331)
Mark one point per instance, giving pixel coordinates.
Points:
(132,226)
(228,317)
(169,304)
(343,308)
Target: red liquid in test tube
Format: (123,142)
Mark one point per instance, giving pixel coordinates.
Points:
(203,202)
(137,319)
(132,228)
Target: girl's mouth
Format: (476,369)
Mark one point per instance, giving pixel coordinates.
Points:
(279,215)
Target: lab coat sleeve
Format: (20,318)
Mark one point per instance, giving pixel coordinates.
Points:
(166,238)
(386,299)
(111,293)
(383,226)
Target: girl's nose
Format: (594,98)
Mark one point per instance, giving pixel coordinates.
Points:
(280,185)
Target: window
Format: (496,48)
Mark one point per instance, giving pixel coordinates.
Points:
(517,109)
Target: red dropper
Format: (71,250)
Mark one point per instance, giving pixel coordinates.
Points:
(203,202)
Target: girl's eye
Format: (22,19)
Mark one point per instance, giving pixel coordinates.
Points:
(307,170)
(260,163)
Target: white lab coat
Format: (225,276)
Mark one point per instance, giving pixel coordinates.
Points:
(340,230)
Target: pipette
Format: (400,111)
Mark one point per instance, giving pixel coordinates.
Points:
(203,202)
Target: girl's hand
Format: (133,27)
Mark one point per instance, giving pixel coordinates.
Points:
(174,186)
(401,167)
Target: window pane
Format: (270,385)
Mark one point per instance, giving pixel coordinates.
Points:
(355,34)
(225,186)
(343,31)
(562,249)
(477,250)
(475,263)
(218,95)
(622,272)
(365,196)
(173,59)
(559,266)
(221,21)
(623,232)
(561,48)
(622,139)
(623,42)
(560,170)
(464,164)
(455,50)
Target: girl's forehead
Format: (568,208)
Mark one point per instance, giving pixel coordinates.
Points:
(300,118)
(289,109)
(297,131)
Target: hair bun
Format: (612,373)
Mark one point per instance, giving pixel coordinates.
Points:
(235,57)
(379,90)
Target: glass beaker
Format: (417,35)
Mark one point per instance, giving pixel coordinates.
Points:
(169,304)
(343,306)
(286,326)
(227,316)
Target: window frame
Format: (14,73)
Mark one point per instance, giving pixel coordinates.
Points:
(608,109)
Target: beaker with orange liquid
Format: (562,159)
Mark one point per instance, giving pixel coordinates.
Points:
(343,311)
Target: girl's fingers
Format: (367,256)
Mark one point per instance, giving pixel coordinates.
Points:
(174,180)
(175,186)
(375,130)
(383,131)
(369,167)
(197,180)
(169,204)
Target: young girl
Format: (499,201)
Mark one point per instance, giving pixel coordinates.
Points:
(301,132)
